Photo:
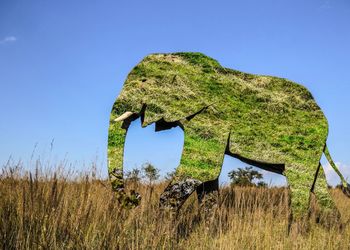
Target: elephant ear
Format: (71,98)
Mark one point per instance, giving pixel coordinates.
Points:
(166,84)
(171,99)
(173,86)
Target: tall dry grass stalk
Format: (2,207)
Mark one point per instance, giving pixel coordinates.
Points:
(52,211)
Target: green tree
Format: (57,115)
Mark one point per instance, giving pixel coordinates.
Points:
(151,173)
(134,177)
(246,177)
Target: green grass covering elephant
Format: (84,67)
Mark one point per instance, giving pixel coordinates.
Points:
(266,121)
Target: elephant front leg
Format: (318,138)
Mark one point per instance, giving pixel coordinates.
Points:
(201,162)
(208,198)
(175,195)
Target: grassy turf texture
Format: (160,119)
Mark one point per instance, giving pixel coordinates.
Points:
(262,118)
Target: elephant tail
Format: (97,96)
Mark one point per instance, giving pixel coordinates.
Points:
(345,186)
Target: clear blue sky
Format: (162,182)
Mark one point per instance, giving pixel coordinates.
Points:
(63,63)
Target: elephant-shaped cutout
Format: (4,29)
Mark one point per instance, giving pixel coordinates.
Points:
(266,121)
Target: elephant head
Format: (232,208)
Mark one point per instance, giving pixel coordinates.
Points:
(156,90)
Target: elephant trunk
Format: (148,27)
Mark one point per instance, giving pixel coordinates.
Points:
(116,138)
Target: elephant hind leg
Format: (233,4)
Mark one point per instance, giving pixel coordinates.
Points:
(304,182)
(324,199)
(300,180)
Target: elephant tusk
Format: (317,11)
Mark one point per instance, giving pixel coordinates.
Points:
(124,116)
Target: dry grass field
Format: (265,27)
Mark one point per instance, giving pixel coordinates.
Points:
(51,211)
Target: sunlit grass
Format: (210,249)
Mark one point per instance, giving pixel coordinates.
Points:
(57,210)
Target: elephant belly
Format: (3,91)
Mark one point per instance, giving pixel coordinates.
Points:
(278,143)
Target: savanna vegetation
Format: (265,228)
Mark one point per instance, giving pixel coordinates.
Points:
(64,210)
(267,121)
